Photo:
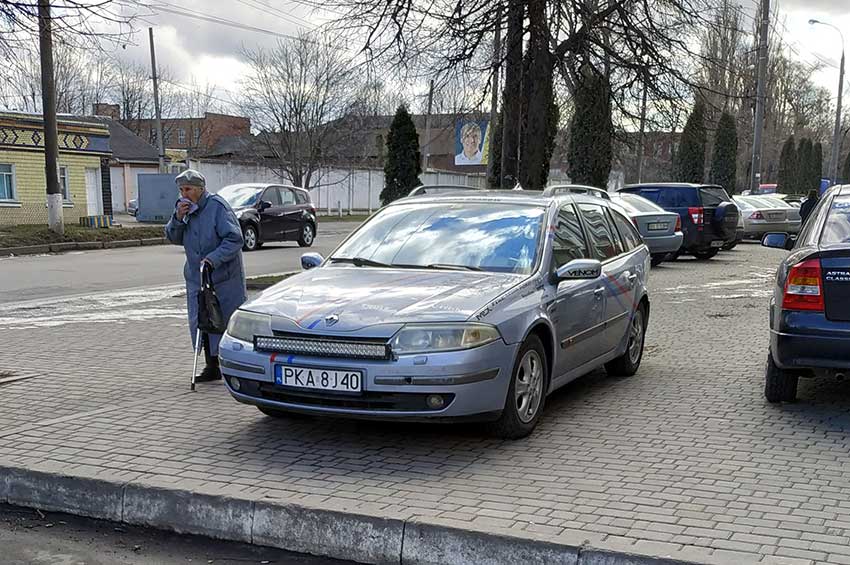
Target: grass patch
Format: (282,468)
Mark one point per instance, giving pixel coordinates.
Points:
(19,236)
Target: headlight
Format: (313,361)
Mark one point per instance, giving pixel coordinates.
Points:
(432,338)
(245,325)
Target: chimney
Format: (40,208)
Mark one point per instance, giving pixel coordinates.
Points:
(112,111)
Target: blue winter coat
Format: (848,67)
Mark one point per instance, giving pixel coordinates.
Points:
(212,232)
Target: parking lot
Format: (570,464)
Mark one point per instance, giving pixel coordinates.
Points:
(685,459)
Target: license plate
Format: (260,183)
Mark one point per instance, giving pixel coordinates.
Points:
(318,379)
(717,244)
(657,226)
(776,216)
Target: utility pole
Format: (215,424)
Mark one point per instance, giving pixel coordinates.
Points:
(495,152)
(426,155)
(642,135)
(755,170)
(159,139)
(55,219)
(836,136)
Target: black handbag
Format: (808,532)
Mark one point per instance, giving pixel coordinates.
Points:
(210,318)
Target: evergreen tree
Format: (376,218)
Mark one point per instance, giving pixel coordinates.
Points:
(495,179)
(591,131)
(404,162)
(816,170)
(690,160)
(724,162)
(805,153)
(787,182)
(845,172)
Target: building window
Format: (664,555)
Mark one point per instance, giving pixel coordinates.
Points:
(197,136)
(7,182)
(181,136)
(63,184)
(153,137)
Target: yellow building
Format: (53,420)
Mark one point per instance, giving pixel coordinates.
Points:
(84,151)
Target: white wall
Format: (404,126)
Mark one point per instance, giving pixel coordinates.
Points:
(116,187)
(220,174)
(124,184)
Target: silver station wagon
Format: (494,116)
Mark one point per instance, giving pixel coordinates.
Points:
(458,306)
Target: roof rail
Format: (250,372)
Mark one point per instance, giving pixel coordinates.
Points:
(438,188)
(576,189)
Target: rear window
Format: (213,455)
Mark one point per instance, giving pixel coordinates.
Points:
(713,196)
(744,204)
(837,228)
(640,204)
(669,197)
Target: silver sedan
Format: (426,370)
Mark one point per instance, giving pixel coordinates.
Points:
(762,216)
(467,305)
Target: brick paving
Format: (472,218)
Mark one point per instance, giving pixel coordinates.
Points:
(684,459)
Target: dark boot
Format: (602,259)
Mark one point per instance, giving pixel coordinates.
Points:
(211,372)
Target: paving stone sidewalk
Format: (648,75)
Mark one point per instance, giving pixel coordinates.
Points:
(684,460)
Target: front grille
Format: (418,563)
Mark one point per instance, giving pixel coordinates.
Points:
(347,348)
(378,401)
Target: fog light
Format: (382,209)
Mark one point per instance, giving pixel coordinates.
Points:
(435,401)
(235,384)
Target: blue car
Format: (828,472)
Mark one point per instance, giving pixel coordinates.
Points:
(458,306)
(810,307)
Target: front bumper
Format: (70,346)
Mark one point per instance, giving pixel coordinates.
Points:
(472,383)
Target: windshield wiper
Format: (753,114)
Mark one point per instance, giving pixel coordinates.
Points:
(360,262)
(451,267)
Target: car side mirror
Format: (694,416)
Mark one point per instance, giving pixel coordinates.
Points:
(579,269)
(264,205)
(311,261)
(778,241)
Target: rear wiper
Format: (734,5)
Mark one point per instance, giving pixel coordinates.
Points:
(451,267)
(359,262)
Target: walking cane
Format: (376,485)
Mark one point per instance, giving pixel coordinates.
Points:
(197,339)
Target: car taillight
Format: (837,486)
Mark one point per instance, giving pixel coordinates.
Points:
(696,215)
(678,223)
(756,215)
(803,289)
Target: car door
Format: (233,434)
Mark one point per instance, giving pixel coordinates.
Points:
(291,214)
(617,279)
(271,220)
(579,304)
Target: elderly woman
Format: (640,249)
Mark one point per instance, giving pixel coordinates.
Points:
(209,232)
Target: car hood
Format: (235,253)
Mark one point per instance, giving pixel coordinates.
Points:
(368,296)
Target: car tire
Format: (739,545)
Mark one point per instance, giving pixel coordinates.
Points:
(250,238)
(779,385)
(628,363)
(705,255)
(307,236)
(281,414)
(526,393)
(657,259)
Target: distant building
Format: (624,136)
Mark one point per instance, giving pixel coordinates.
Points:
(84,172)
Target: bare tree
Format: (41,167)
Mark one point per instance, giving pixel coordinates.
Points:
(295,94)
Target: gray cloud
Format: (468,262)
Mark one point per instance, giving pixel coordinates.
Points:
(830,7)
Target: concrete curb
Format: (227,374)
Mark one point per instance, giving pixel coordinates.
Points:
(25,250)
(122,243)
(364,536)
(80,245)
(88,245)
(60,247)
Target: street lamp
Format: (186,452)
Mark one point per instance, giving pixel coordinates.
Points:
(833,160)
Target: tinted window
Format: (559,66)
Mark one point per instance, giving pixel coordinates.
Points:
(569,239)
(272,196)
(678,198)
(713,196)
(631,238)
(491,237)
(837,227)
(287,196)
(603,245)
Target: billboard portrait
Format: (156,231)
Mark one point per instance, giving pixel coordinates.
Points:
(471,142)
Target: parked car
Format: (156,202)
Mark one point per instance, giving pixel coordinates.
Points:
(661,230)
(810,307)
(270,212)
(792,212)
(709,216)
(470,306)
(763,215)
(133,207)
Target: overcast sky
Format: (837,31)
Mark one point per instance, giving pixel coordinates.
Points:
(210,52)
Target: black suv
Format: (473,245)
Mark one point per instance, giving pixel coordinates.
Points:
(709,216)
(269,212)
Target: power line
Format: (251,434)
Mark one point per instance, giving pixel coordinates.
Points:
(217,20)
(268,8)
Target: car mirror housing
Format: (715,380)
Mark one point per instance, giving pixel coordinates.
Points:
(311,261)
(777,241)
(579,269)
(264,205)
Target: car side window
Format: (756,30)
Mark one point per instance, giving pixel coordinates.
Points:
(287,197)
(301,197)
(569,240)
(601,240)
(631,238)
(272,196)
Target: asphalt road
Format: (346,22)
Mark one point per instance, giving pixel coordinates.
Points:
(46,276)
(48,538)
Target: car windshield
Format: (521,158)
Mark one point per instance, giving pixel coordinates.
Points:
(640,204)
(713,195)
(837,227)
(479,236)
(239,196)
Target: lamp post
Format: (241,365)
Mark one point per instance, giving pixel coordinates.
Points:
(833,160)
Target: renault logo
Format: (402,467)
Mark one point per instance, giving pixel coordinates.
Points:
(331,320)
